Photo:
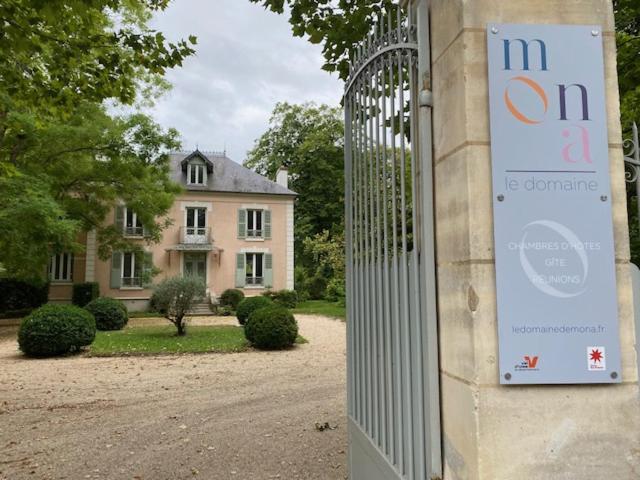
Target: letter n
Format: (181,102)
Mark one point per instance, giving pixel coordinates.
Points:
(563,100)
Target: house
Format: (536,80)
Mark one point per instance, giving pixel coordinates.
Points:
(231,226)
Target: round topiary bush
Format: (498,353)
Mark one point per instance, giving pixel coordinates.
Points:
(55,330)
(110,314)
(231,297)
(248,305)
(271,327)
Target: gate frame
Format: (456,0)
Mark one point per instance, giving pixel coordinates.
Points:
(369,465)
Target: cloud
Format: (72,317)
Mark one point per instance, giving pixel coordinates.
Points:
(247,61)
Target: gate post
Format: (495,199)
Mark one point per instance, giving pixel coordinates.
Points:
(489,431)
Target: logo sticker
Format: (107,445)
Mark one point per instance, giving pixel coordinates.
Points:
(529,362)
(596,359)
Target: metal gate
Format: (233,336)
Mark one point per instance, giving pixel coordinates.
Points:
(393,386)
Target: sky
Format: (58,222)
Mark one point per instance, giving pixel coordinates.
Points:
(246,61)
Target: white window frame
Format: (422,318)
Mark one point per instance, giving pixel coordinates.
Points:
(254,214)
(137,230)
(130,282)
(255,282)
(58,260)
(200,173)
(197,229)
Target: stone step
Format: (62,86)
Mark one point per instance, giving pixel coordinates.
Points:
(201,309)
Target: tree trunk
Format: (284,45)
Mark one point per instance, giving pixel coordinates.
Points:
(182,327)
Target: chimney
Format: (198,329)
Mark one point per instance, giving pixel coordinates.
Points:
(282,177)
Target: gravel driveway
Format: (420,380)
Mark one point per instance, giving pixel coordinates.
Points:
(217,416)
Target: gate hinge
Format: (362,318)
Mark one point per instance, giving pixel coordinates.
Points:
(425,98)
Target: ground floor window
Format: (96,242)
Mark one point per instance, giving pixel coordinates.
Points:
(61,267)
(131,270)
(254,267)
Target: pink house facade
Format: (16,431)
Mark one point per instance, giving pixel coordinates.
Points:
(231,227)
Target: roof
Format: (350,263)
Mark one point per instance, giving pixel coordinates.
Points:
(227,176)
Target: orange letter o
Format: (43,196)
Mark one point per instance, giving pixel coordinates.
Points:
(517,113)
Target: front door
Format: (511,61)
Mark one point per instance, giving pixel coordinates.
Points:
(195,265)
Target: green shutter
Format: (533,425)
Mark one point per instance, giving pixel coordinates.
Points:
(119,222)
(242,223)
(240,270)
(268,270)
(147,270)
(267,224)
(116,270)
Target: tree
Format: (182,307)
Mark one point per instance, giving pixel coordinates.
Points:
(64,162)
(68,177)
(308,140)
(175,297)
(58,52)
(627,16)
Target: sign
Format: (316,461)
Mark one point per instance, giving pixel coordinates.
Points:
(553,229)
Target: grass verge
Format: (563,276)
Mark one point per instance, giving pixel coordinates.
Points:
(321,307)
(162,340)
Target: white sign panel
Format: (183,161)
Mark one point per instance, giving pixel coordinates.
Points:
(555,264)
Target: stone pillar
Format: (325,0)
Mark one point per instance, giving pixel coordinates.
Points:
(491,432)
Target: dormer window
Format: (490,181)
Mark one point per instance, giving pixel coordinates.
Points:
(196,173)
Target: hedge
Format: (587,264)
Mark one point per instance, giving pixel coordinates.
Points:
(21,296)
(85,292)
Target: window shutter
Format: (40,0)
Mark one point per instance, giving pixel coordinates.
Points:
(268,270)
(242,223)
(267,224)
(116,270)
(147,269)
(240,270)
(120,218)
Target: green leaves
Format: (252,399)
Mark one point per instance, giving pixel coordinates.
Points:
(58,52)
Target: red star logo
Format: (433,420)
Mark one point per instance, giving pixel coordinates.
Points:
(596,355)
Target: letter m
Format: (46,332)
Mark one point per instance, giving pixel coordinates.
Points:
(525,53)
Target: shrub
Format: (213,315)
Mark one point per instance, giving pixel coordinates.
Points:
(316,287)
(22,296)
(231,297)
(271,327)
(248,305)
(85,292)
(224,311)
(286,298)
(175,297)
(56,330)
(154,304)
(110,314)
(335,290)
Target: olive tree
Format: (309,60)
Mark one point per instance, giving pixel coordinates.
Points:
(175,297)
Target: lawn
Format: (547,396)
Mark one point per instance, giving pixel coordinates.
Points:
(321,307)
(156,340)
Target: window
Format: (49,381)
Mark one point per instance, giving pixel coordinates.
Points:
(254,223)
(131,270)
(196,174)
(61,267)
(132,224)
(254,269)
(196,221)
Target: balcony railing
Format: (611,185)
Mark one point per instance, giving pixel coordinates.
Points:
(254,233)
(130,231)
(254,280)
(195,235)
(131,281)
